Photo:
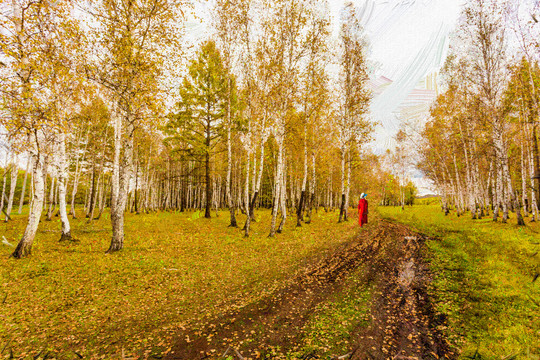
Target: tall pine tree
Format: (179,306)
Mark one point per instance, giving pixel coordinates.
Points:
(198,126)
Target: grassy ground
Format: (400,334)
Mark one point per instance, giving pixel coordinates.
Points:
(176,268)
(484,282)
(333,325)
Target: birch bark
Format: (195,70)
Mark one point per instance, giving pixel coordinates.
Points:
(23,191)
(62,181)
(24,246)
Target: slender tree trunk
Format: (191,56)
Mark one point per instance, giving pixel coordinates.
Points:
(208,193)
(496,190)
(524,183)
(62,181)
(282,200)
(342,204)
(459,188)
(93,191)
(23,191)
(536,156)
(4,181)
(246,197)
(13,184)
(312,188)
(348,188)
(279,179)
(300,210)
(228,189)
(52,205)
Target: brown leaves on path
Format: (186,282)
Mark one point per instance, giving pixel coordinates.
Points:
(404,324)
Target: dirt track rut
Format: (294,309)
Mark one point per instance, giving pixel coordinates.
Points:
(404,324)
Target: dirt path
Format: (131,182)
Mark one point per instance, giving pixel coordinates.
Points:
(404,325)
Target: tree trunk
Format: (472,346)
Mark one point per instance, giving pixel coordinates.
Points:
(342,204)
(93,191)
(24,247)
(282,200)
(23,191)
(300,210)
(496,190)
(120,183)
(2,201)
(52,205)
(312,188)
(524,183)
(228,189)
(246,197)
(62,181)
(348,188)
(279,179)
(208,187)
(13,184)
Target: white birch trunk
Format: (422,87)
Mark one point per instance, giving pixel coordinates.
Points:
(246,196)
(24,247)
(534,204)
(4,181)
(279,136)
(119,187)
(62,181)
(342,201)
(14,172)
(283,199)
(348,188)
(23,191)
(229,168)
(50,210)
(524,183)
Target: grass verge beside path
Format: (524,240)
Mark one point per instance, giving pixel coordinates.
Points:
(178,268)
(485,280)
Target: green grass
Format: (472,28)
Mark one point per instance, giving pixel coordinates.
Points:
(484,280)
(332,328)
(175,269)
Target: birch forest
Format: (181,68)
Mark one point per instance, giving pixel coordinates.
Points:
(480,144)
(107,113)
(269,179)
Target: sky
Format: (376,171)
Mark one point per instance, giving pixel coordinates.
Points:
(408,40)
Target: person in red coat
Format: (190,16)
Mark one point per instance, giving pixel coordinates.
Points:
(362,210)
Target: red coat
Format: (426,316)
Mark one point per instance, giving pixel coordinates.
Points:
(362,211)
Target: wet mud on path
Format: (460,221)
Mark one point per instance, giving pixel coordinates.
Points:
(403,326)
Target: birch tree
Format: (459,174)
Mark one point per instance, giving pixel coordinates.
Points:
(354,97)
(131,41)
(33,42)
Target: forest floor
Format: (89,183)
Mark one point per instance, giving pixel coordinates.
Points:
(190,288)
(367,300)
(71,299)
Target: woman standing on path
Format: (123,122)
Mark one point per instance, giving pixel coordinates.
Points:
(362,210)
